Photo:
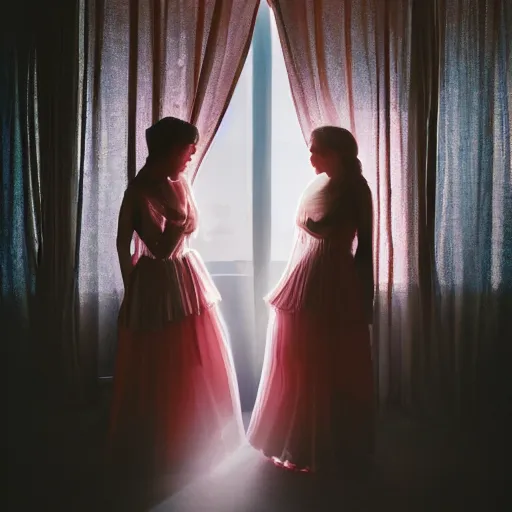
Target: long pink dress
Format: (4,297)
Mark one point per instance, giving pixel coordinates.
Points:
(314,406)
(175,402)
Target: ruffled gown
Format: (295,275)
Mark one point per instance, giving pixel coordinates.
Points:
(314,406)
(175,401)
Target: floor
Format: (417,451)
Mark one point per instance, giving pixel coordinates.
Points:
(417,470)
(419,467)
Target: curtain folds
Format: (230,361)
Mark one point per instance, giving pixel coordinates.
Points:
(473,206)
(39,173)
(349,64)
(84,79)
(422,85)
(20,229)
(155,59)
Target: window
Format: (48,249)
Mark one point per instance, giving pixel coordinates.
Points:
(223,188)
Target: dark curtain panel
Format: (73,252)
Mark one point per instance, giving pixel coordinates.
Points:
(39,178)
(471,348)
(59,132)
(20,229)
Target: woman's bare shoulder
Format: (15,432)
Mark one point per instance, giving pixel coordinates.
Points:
(132,193)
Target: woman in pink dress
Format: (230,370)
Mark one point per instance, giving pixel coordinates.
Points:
(175,400)
(315,402)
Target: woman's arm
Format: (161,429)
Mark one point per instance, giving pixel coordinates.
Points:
(160,242)
(324,227)
(319,229)
(364,252)
(124,237)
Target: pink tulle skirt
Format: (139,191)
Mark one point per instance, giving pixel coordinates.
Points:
(314,407)
(175,403)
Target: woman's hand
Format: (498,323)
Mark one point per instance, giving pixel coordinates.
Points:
(318,229)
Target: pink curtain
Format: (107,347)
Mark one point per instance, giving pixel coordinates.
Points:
(423,87)
(349,65)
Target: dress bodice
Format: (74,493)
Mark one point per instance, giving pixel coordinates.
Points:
(171,203)
(169,286)
(321,273)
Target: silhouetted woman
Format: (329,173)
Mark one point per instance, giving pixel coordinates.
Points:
(314,407)
(175,401)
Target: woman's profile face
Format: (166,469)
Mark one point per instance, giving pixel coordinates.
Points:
(180,158)
(323,160)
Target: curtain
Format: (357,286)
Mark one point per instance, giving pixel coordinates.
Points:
(39,174)
(473,206)
(349,64)
(19,231)
(83,80)
(424,86)
(407,77)
(155,59)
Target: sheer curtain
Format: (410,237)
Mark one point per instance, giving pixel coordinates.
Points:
(349,64)
(425,88)
(473,202)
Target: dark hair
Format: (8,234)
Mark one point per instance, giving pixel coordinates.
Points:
(169,133)
(341,141)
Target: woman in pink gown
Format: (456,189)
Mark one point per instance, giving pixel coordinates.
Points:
(315,402)
(175,401)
